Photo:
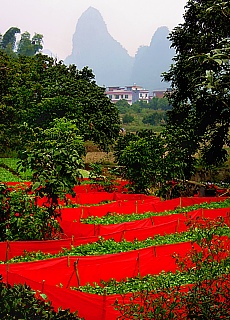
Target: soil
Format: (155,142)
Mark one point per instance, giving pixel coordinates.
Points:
(101,157)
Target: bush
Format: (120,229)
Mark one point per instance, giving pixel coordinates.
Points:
(20,302)
(207,298)
(22,219)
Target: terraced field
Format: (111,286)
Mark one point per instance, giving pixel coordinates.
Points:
(100,261)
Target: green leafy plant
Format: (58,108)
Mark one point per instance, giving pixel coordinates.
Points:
(21,302)
(112,218)
(208,297)
(55,159)
(110,246)
(22,219)
(102,179)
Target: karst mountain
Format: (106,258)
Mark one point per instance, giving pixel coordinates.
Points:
(94,47)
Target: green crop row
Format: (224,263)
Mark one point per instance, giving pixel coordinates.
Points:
(154,282)
(114,218)
(110,246)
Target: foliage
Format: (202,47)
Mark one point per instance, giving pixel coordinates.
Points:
(10,173)
(112,218)
(101,179)
(155,118)
(25,46)
(144,115)
(110,246)
(21,302)
(123,106)
(8,40)
(127,118)
(207,298)
(55,159)
(154,104)
(139,106)
(142,160)
(199,120)
(22,219)
(29,47)
(147,161)
(38,89)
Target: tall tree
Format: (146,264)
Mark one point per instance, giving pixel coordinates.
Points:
(28,46)
(200,116)
(8,40)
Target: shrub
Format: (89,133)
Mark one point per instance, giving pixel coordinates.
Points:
(22,219)
(21,302)
(207,298)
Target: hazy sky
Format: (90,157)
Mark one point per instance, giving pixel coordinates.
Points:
(130,22)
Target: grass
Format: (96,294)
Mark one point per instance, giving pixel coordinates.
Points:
(7,176)
(9,172)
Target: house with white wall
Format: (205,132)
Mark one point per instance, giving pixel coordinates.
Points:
(129,93)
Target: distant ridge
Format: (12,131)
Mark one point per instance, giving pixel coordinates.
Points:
(94,47)
(151,61)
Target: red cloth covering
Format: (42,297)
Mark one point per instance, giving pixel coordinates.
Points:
(81,230)
(91,269)
(141,229)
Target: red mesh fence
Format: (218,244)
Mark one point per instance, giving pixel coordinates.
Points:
(50,275)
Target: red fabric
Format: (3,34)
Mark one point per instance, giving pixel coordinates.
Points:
(197,200)
(167,205)
(151,260)
(83,233)
(93,268)
(3,247)
(144,233)
(89,306)
(16,248)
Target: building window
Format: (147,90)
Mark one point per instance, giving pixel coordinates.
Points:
(116,96)
(121,96)
(126,96)
(110,96)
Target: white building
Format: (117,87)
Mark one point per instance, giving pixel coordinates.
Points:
(129,93)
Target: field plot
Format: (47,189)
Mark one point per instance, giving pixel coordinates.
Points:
(95,263)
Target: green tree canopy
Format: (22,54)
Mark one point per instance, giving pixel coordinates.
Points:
(29,47)
(8,40)
(25,46)
(55,159)
(39,89)
(200,96)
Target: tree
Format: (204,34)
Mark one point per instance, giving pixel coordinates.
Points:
(55,159)
(127,118)
(39,89)
(28,47)
(141,156)
(123,106)
(25,46)
(8,40)
(199,121)
(156,118)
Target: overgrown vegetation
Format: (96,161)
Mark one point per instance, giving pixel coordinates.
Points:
(22,219)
